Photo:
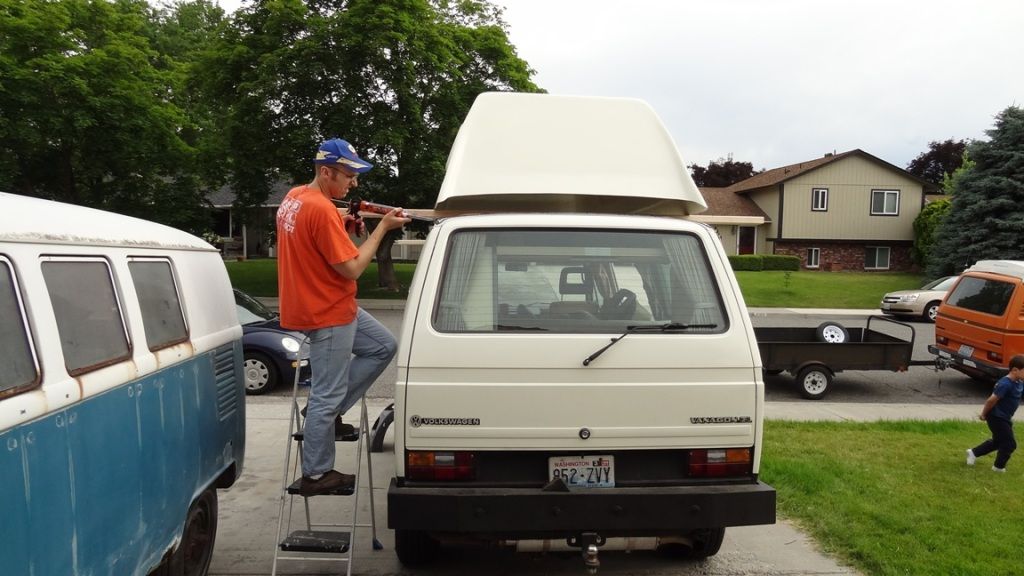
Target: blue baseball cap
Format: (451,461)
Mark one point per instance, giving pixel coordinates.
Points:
(340,152)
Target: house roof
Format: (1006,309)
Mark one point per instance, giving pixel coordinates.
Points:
(778,175)
(723,202)
(224,197)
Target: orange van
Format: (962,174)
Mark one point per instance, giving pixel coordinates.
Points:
(980,324)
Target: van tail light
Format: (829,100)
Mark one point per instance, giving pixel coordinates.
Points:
(439,466)
(941,339)
(995,357)
(721,462)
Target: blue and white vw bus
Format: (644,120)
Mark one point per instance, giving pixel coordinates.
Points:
(122,405)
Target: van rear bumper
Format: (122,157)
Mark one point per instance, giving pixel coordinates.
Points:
(969,366)
(530,511)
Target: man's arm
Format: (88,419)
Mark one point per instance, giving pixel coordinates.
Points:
(354,268)
(989,404)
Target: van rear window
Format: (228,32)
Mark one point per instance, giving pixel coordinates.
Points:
(158,298)
(982,295)
(19,367)
(573,281)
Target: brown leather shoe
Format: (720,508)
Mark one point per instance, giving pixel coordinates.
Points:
(341,430)
(326,484)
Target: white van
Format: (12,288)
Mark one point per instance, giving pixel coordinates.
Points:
(122,399)
(576,365)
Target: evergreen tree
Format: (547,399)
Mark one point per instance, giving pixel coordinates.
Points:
(986,220)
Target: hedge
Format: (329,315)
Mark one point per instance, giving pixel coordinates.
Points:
(749,262)
(758,262)
(780,262)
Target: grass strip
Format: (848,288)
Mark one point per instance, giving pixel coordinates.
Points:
(258,277)
(770,289)
(897,497)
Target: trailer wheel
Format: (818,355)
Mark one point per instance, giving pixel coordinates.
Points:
(814,382)
(832,332)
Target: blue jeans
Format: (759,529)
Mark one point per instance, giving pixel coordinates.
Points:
(344,361)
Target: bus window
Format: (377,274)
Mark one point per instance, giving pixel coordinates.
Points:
(89,320)
(162,318)
(20,371)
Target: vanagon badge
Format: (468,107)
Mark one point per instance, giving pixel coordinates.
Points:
(720,420)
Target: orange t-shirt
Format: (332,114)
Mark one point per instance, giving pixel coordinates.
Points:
(310,238)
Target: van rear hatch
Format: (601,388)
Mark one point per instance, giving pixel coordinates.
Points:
(980,323)
(509,333)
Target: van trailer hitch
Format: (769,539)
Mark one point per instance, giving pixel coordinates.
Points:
(588,543)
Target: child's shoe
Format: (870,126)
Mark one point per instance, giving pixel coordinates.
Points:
(994,469)
(970,457)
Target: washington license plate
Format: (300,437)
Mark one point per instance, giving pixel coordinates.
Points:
(583,471)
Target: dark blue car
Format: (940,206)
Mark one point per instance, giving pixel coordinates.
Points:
(271,351)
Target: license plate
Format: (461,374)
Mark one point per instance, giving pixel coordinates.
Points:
(966,350)
(583,471)
(970,363)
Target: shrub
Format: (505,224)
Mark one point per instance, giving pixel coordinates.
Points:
(780,262)
(748,262)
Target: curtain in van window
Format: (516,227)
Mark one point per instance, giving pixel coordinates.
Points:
(694,299)
(458,271)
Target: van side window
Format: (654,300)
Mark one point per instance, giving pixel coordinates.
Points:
(575,281)
(20,371)
(982,295)
(89,320)
(158,298)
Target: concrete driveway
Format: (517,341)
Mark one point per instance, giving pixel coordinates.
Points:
(246,537)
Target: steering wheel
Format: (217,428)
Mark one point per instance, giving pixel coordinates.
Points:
(621,306)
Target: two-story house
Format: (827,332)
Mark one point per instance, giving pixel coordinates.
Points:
(847,211)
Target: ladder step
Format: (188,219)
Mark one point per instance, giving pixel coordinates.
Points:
(293,488)
(316,541)
(337,437)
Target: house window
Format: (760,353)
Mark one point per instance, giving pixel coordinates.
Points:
(876,258)
(813,257)
(819,199)
(885,202)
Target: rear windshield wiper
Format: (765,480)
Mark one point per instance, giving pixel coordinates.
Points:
(667,327)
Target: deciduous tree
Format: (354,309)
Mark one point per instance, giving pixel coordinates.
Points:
(722,172)
(941,160)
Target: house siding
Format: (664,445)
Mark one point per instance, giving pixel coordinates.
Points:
(767,200)
(850,182)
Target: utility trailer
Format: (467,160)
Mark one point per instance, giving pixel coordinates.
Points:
(815,355)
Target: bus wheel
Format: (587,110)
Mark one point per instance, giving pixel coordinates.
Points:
(414,548)
(814,382)
(196,549)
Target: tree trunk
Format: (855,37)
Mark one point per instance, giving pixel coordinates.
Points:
(386,277)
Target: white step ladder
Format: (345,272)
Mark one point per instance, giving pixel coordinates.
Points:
(319,541)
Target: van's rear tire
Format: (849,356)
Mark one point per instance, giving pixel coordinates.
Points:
(814,381)
(192,558)
(706,543)
(415,548)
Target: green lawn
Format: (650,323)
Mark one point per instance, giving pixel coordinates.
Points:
(258,277)
(896,497)
(771,289)
(760,289)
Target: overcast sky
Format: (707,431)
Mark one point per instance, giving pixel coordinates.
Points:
(775,82)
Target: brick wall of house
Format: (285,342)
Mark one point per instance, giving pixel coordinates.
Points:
(835,256)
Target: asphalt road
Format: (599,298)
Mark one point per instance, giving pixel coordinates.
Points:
(920,384)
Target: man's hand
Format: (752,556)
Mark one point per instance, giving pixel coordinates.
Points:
(394,219)
(354,224)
